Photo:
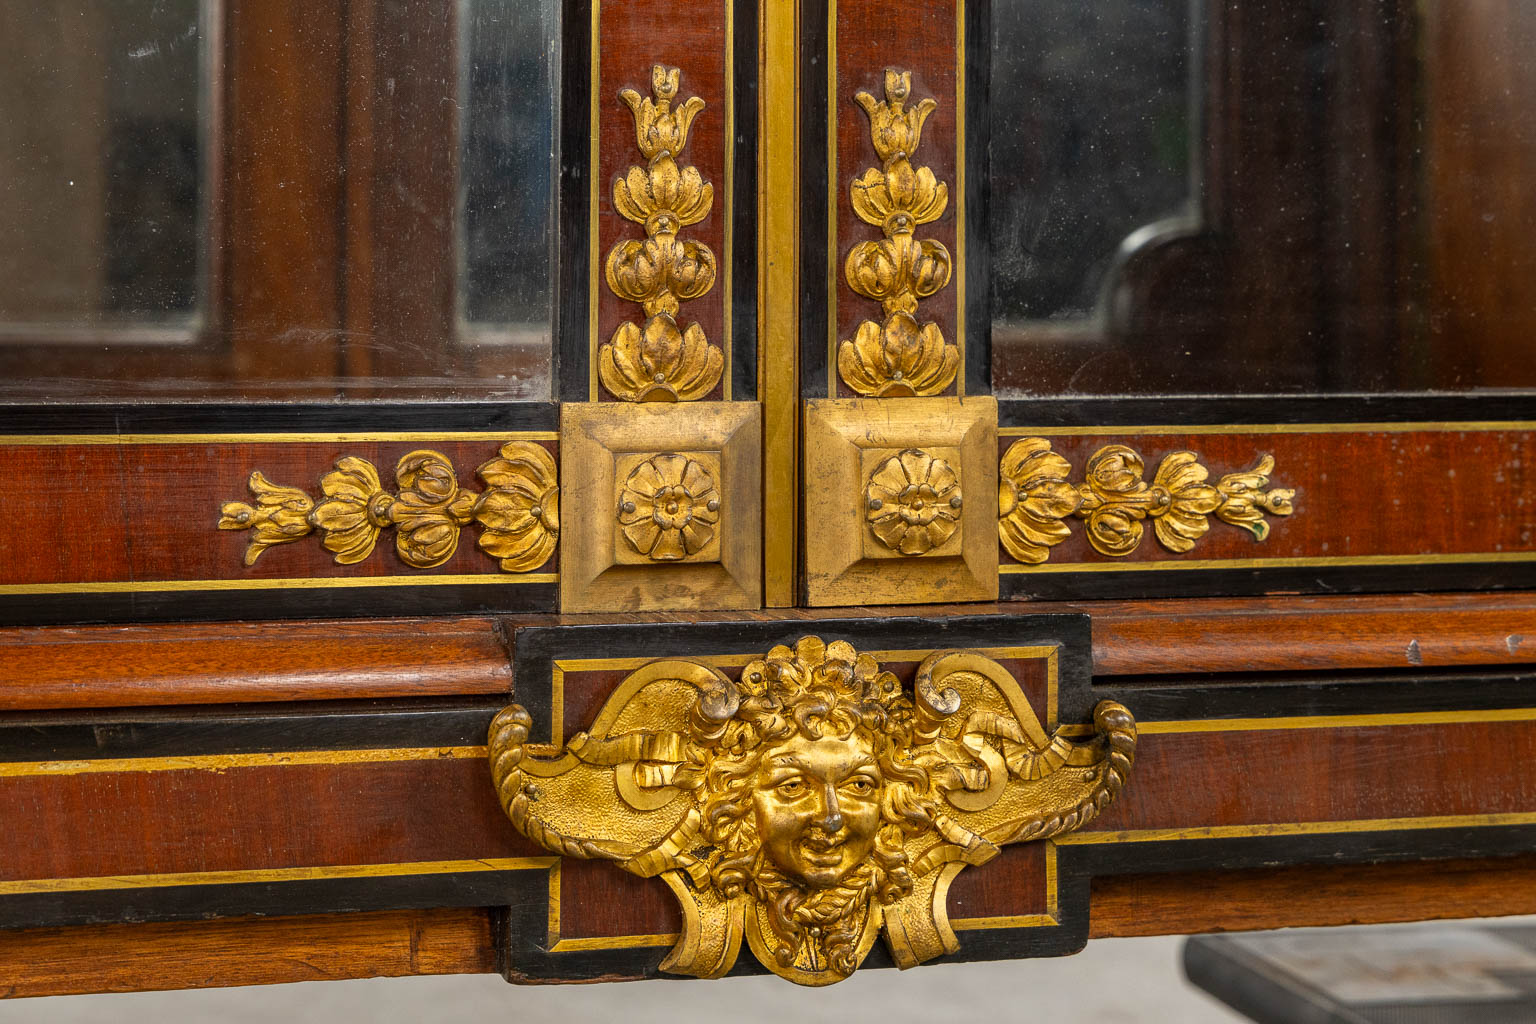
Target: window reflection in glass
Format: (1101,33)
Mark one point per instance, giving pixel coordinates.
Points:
(1093,105)
(101,163)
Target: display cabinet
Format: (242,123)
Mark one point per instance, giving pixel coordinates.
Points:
(510,487)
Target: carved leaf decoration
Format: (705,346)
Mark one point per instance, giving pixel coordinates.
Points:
(1181,501)
(520,510)
(660,363)
(898,359)
(430,510)
(1034,500)
(895,130)
(658,128)
(662,188)
(1244,500)
(668,782)
(898,271)
(356,508)
(659,272)
(280,516)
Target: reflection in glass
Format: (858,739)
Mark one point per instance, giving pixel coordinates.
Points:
(101,163)
(1364,218)
(507,167)
(1094,99)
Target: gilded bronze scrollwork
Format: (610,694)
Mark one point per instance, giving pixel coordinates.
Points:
(658,361)
(812,803)
(899,357)
(1036,498)
(519,511)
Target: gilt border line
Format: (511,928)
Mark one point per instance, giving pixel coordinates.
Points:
(288,583)
(337,437)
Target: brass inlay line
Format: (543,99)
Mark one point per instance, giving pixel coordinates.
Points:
(1426,426)
(339,437)
(304,583)
(1321,561)
(832,192)
(1302,828)
(778,268)
(976,924)
(960,192)
(728,207)
(1366,721)
(594,172)
(225,762)
(304,874)
(614,942)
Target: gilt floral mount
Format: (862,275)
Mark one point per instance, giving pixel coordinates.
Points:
(518,512)
(900,357)
(658,361)
(1036,500)
(811,804)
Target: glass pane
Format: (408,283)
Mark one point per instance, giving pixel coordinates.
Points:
(1361,216)
(507,167)
(285,200)
(1096,146)
(101,163)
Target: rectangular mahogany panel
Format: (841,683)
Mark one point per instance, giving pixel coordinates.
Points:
(102,513)
(867,38)
(633,36)
(1188,780)
(251,813)
(1360,493)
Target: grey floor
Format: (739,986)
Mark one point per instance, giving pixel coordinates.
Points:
(1114,981)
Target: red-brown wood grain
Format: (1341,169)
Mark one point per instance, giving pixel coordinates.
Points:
(1314,896)
(634,36)
(264,951)
(244,951)
(1190,780)
(254,818)
(919,37)
(149,512)
(126,666)
(1420,493)
(1317,634)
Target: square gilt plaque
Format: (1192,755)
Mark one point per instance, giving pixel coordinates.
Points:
(900,503)
(662,506)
